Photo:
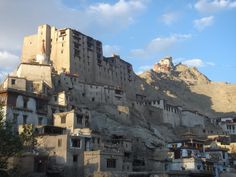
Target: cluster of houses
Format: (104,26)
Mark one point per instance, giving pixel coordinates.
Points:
(57,103)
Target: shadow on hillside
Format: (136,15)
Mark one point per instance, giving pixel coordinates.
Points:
(178,93)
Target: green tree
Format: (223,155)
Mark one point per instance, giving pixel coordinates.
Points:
(28,138)
(10,144)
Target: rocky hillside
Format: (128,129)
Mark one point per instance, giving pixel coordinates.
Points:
(186,86)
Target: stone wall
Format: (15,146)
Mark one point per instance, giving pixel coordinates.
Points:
(191,119)
(35,72)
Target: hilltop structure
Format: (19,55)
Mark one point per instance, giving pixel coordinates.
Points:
(94,116)
(165,65)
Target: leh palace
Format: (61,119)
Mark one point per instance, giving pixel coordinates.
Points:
(92,116)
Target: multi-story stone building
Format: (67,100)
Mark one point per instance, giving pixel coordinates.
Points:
(66,150)
(24,96)
(228,124)
(72,52)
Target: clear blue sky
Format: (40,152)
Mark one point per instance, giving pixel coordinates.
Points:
(198,33)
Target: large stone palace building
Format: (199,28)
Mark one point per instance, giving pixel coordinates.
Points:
(75,53)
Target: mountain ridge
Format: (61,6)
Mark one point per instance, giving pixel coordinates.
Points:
(190,88)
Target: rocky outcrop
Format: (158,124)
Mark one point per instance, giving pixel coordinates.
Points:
(188,87)
(190,74)
(165,65)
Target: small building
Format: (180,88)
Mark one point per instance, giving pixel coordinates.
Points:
(72,120)
(121,144)
(219,157)
(101,161)
(186,164)
(188,155)
(66,150)
(187,148)
(22,107)
(228,124)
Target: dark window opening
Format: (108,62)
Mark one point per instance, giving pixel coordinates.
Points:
(25,103)
(111,163)
(76,45)
(86,123)
(223,154)
(15,117)
(25,119)
(138,162)
(13,82)
(75,158)
(127,155)
(59,142)
(79,118)
(75,143)
(40,121)
(63,120)
(76,53)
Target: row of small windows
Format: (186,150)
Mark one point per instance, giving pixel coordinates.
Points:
(230,127)
(79,119)
(76,142)
(171,109)
(25,119)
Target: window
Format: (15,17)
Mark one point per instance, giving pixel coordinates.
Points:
(79,118)
(111,163)
(53,110)
(76,45)
(13,82)
(25,103)
(63,120)
(223,154)
(59,142)
(86,123)
(25,119)
(76,53)
(40,121)
(15,115)
(75,158)
(75,143)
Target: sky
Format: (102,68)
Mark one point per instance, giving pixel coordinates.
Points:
(200,33)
